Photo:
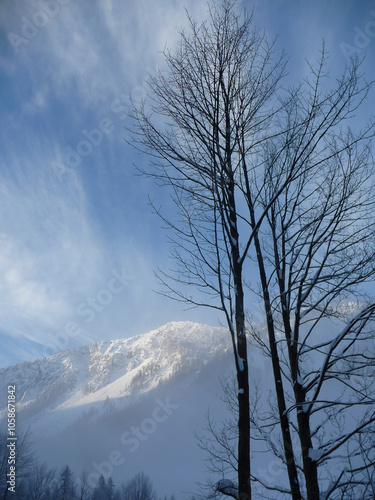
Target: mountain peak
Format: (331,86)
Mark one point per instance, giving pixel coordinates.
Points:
(121,370)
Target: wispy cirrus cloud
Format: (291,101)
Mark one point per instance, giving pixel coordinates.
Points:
(47,240)
(60,248)
(62,237)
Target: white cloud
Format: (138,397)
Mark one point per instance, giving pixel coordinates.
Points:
(49,254)
(96,51)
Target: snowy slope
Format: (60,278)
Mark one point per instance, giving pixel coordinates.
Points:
(160,383)
(120,370)
(130,405)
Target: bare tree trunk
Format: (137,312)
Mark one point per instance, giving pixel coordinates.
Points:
(316,249)
(244,487)
(310,468)
(279,389)
(217,98)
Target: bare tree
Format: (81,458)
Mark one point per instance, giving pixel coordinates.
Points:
(282,189)
(83,486)
(38,484)
(219,445)
(24,459)
(313,254)
(218,439)
(139,488)
(216,102)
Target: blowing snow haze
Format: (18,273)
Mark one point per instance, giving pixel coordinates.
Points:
(124,406)
(79,243)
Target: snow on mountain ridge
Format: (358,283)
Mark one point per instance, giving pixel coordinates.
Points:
(74,380)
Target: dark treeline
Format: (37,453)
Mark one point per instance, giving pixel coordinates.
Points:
(35,480)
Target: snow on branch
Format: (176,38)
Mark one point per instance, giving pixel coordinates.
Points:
(227,487)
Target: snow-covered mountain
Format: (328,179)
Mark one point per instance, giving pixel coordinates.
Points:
(126,405)
(119,371)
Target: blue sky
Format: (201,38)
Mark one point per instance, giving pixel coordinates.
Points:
(78,241)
